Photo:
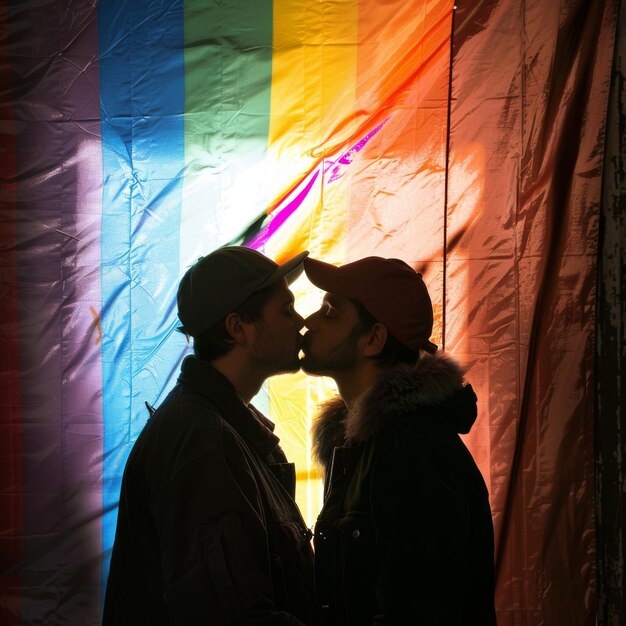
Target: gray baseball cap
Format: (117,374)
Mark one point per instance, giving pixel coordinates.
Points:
(216,284)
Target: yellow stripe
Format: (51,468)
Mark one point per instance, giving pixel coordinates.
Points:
(315,474)
(313,93)
(313,70)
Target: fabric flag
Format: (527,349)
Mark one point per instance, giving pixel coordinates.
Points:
(139,135)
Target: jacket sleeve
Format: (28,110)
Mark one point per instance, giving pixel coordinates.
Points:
(421,526)
(215,557)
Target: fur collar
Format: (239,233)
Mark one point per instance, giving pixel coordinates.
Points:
(434,380)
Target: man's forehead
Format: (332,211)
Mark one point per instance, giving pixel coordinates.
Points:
(337,301)
(283,292)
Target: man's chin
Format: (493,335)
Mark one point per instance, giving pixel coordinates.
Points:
(309,366)
(289,368)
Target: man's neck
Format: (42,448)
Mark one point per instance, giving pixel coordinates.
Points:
(352,384)
(242,376)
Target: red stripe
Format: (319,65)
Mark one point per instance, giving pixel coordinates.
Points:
(11,468)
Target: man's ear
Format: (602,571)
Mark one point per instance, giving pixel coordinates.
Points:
(376,340)
(236,329)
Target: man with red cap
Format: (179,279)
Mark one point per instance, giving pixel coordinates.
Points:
(405,535)
(208,531)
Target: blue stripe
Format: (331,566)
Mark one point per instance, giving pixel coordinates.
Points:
(142,104)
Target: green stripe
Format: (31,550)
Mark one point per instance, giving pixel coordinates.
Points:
(228,72)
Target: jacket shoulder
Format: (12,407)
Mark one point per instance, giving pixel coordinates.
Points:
(182,404)
(184,428)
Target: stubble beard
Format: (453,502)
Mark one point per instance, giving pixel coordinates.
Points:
(340,359)
(266,357)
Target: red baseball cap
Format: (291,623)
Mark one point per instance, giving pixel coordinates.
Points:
(391,291)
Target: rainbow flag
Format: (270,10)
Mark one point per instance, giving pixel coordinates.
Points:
(263,124)
(139,135)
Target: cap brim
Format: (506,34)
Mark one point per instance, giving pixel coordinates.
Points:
(291,269)
(326,276)
(431,347)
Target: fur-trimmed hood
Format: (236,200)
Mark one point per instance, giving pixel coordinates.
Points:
(434,380)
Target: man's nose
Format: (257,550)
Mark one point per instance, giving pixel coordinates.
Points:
(299,320)
(309,322)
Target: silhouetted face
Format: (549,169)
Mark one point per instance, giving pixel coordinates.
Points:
(276,338)
(330,345)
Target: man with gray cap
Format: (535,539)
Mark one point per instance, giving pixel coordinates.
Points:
(405,535)
(208,531)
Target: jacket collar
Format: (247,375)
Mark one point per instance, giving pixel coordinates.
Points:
(251,424)
(433,382)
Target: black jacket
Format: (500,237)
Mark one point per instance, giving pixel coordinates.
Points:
(405,536)
(208,531)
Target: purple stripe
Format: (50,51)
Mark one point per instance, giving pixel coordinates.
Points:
(333,170)
(335,167)
(281,216)
(54,52)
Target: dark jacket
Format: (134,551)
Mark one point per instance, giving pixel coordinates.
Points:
(405,535)
(208,531)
